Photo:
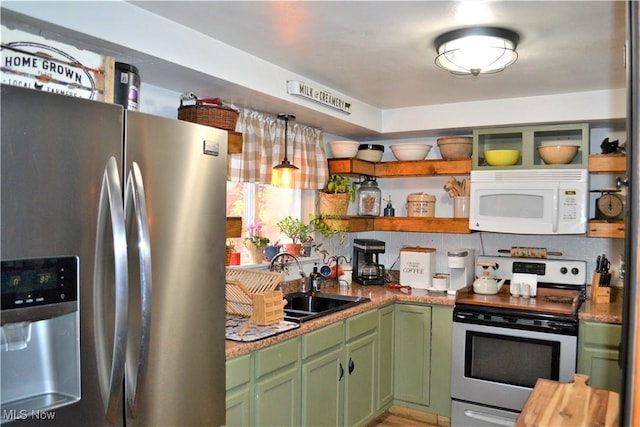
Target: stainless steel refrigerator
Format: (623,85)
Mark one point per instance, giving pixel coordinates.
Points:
(112,249)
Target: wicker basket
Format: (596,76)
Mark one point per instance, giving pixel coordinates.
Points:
(210,115)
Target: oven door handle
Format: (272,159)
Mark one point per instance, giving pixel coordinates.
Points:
(490,418)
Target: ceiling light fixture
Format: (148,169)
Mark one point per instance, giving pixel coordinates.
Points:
(282,174)
(476,50)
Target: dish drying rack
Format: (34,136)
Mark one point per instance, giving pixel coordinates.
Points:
(251,294)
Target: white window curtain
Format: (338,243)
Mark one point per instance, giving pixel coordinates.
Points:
(263,148)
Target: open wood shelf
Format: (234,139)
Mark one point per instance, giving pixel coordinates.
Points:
(234,142)
(234,226)
(607,163)
(600,228)
(403,169)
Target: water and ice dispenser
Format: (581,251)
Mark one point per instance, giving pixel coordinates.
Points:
(40,336)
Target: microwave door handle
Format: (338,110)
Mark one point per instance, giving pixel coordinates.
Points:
(136,210)
(110,361)
(556,209)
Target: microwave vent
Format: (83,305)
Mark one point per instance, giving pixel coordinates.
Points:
(578,175)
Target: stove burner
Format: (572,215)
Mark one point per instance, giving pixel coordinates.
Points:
(559,299)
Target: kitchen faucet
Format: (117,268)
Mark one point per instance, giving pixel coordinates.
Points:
(283,265)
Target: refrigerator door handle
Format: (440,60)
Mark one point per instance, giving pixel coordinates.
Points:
(110,350)
(138,350)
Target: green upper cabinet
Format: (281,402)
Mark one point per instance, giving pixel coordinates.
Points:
(527,140)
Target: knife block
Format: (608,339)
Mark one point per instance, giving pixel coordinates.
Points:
(600,288)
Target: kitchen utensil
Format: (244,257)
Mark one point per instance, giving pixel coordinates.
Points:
(453,148)
(558,154)
(399,286)
(528,252)
(410,151)
(486,284)
(370,152)
(344,149)
(501,157)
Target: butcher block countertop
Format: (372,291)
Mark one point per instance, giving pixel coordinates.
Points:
(383,295)
(379,295)
(569,404)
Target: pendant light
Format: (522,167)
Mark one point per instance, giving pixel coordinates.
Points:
(282,174)
(476,50)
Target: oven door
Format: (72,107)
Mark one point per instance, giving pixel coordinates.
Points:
(499,366)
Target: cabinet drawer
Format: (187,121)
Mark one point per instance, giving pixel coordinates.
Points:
(362,324)
(323,339)
(275,357)
(604,334)
(238,371)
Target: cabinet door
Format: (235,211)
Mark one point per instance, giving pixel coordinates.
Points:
(441,329)
(360,380)
(598,354)
(322,398)
(277,399)
(238,386)
(412,353)
(385,356)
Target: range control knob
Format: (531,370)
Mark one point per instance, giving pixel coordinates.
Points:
(575,271)
(563,270)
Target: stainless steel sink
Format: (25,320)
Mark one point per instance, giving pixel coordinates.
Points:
(303,306)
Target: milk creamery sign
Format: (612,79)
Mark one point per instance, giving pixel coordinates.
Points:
(295,87)
(37,63)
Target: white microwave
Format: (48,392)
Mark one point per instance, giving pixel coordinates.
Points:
(528,201)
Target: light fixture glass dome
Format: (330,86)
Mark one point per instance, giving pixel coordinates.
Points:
(477,50)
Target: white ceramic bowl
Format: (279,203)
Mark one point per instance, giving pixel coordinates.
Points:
(344,149)
(410,151)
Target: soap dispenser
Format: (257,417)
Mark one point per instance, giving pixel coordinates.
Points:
(389,210)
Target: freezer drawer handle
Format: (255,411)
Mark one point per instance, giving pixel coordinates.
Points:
(110,351)
(138,347)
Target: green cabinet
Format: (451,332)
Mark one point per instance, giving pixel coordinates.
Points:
(361,368)
(238,398)
(322,372)
(412,353)
(598,353)
(386,322)
(423,357)
(527,140)
(277,385)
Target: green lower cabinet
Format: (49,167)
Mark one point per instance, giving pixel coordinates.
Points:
(598,354)
(322,372)
(422,365)
(238,398)
(386,322)
(277,385)
(412,372)
(360,380)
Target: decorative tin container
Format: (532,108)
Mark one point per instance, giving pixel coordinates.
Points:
(417,266)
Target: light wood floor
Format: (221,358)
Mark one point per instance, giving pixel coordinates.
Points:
(397,416)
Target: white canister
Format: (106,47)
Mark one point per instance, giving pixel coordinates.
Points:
(421,204)
(417,266)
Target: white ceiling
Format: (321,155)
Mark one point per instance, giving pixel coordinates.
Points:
(382,52)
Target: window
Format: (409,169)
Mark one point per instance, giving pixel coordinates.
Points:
(262,203)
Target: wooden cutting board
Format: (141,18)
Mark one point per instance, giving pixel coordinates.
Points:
(574,404)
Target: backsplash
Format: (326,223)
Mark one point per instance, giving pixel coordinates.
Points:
(576,247)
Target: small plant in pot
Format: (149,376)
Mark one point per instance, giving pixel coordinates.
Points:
(335,197)
(328,225)
(297,231)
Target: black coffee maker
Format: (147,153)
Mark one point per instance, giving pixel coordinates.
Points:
(366,270)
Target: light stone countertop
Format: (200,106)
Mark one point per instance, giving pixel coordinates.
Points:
(383,295)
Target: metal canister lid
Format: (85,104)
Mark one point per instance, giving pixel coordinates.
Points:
(458,253)
(416,249)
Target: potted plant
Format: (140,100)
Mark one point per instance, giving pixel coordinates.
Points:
(255,243)
(297,231)
(335,197)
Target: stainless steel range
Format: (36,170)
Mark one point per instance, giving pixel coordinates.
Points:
(502,343)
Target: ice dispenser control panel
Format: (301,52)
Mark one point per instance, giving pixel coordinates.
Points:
(39,281)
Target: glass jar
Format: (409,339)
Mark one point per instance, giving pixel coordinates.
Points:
(369,197)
